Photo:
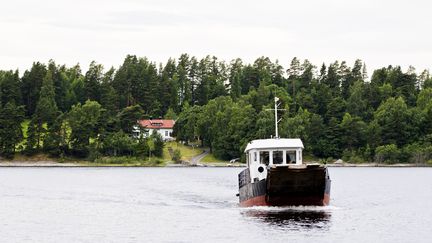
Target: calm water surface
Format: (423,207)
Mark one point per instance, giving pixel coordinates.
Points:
(199,205)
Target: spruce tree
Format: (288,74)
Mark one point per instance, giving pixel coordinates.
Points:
(11,117)
(46,109)
(44,117)
(11,88)
(31,86)
(54,141)
(235,78)
(92,81)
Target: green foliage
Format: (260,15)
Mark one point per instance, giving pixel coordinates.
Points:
(92,81)
(10,88)
(118,144)
(304,125)
(54,143)
(11,117)
(46,108)
(387,154)
(84,123)
(353,132)
(176,157)
(142,148)
(158,144)
(128,118)
(170,114)
(34,139)
(418,153)
(424,99)
(352,156)
(395,121)
(127,161)
(222,105)
(31,86)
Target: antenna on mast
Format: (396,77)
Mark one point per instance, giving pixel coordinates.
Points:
(276,105)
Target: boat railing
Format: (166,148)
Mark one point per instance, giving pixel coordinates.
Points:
(244,177)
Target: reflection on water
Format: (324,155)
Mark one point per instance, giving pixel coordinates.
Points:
(294,218)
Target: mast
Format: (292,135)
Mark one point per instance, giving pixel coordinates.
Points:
(276,105)
(276,119)
(276,99)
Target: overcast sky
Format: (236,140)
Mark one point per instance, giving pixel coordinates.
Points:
(79,31)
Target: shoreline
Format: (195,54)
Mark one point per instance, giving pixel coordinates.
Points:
(52,163)
(367,165)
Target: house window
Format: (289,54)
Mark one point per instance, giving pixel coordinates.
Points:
(166,133)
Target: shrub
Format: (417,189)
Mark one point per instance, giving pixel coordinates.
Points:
(418,153)
(176,156)
(93,154)
(352,156)
(116,160)
(387,154)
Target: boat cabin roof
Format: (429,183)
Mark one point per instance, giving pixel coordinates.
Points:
(274,143)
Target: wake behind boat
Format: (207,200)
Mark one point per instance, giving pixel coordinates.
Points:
(276,175)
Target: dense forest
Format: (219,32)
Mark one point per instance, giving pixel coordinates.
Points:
(337,110)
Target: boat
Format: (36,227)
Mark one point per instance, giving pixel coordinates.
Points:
(276,175)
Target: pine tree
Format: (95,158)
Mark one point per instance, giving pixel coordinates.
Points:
(108,98)
(235,78)
(11,88)
(307,75)
(333,78)
(185,95)
(11,117)
(33,140)
(125,81)
(167,89)
(61,85)
(92,81)
(128,118)
(46,109)
(203,87)
(44,116)
(31,85)
(193,72)
(54,141)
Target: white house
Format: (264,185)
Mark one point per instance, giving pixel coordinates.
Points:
(163,127)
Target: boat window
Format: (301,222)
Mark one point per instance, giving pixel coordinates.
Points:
(277,157)
(290,157)
(255,156)
(264,157)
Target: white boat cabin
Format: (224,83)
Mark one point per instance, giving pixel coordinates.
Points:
(264,153)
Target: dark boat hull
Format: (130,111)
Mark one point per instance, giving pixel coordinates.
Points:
(286,186)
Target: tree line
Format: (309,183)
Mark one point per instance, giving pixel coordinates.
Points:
(335,109)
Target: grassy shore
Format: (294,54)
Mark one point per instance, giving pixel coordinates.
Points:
(209,158)
(187,153)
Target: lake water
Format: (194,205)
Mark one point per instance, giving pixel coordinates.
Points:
(199,205)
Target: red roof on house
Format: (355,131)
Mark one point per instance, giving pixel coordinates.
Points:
(157,124)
